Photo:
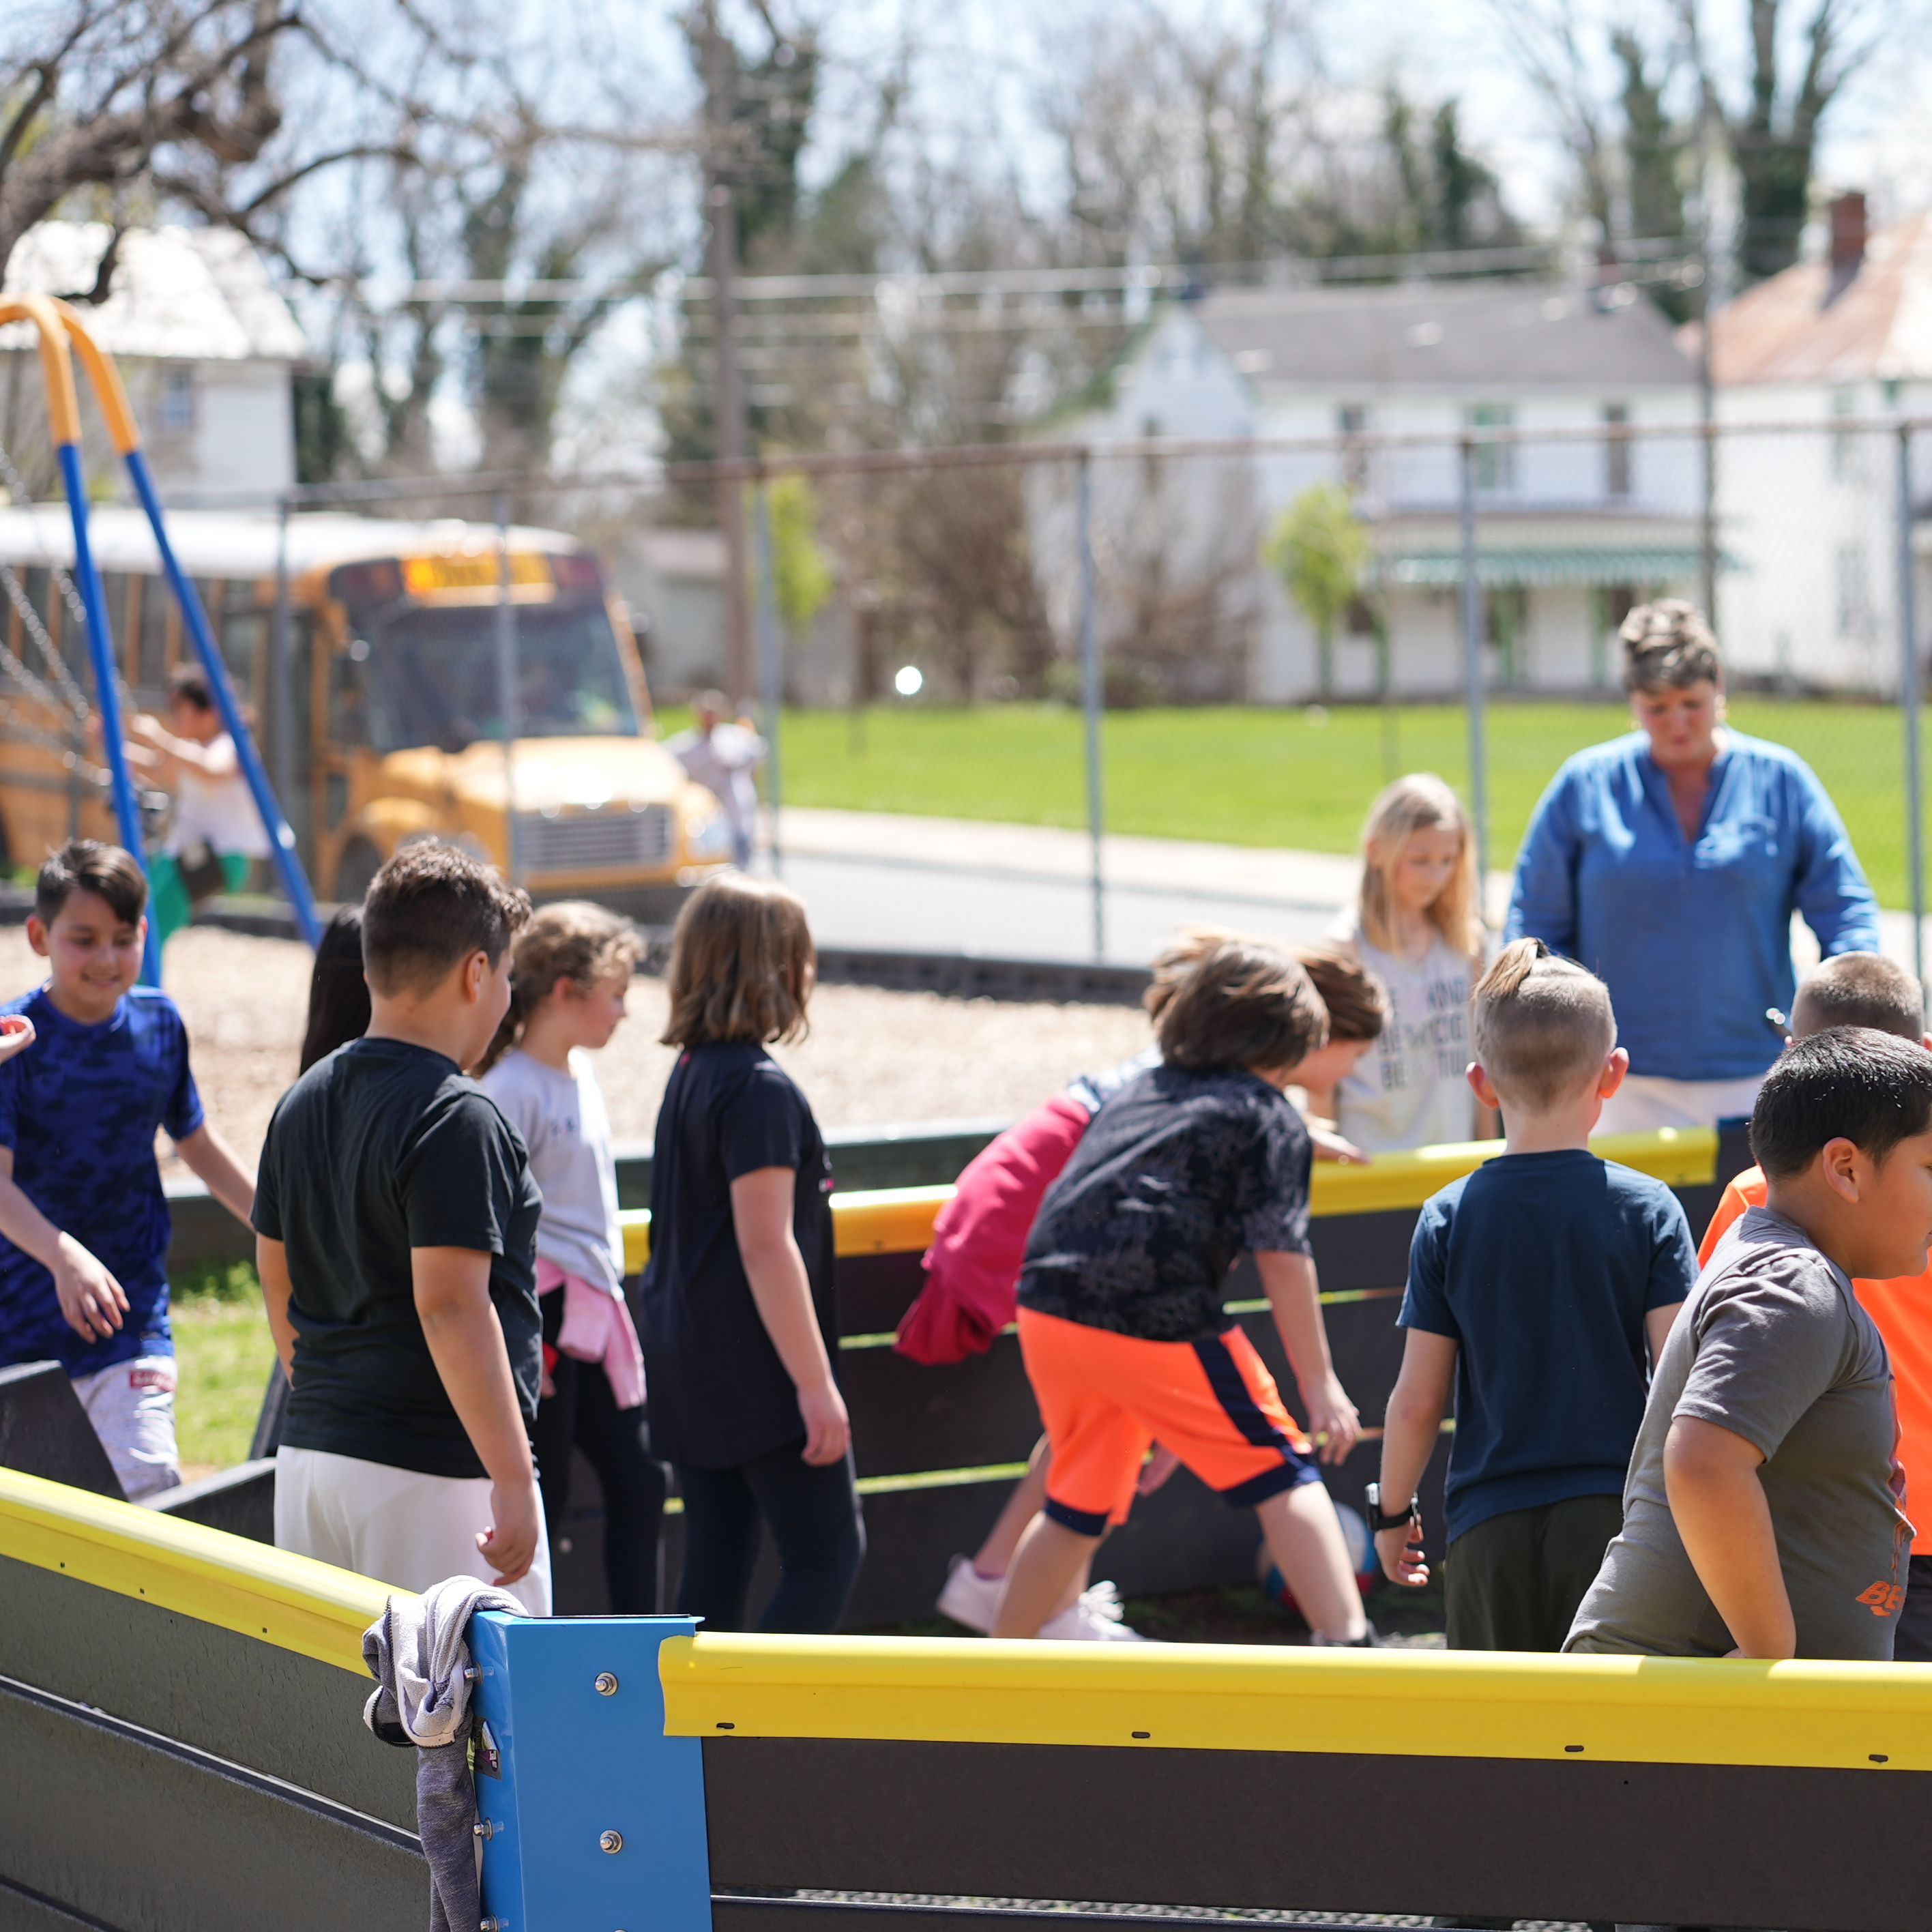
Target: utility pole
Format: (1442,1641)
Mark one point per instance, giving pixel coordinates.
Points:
(729,437)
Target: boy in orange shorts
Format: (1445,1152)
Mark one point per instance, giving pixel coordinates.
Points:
(1120,1316)
(1862,989)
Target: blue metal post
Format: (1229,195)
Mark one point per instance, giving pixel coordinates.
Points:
(281,839)
(590,1816)
(100,653)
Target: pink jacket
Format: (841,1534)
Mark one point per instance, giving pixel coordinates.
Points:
(979,1241)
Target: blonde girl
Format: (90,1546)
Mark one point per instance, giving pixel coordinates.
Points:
(571,969)
(1417,927)
(740,1328)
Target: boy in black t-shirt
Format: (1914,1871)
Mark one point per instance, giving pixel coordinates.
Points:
(396,1223)
(1120,1320)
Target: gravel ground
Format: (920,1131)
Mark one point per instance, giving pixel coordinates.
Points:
(872,1058)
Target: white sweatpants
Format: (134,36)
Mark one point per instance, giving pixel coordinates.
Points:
(401,1528)
(1646,1101)
(132,1407)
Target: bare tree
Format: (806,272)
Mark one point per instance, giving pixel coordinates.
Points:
(1773,138)
(165,98)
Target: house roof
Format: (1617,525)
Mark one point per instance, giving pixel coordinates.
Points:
(1430,335)
(181,295)
(1880,325)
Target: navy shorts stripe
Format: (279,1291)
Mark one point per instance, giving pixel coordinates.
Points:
(1224,1378)
(1289,1475)
(1082,1522)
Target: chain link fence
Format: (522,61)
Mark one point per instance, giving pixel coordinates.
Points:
(1045,700)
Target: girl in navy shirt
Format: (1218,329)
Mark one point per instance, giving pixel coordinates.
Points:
(740,1334)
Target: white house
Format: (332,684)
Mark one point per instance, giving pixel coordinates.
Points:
(1574,529)
(205,344)
(1811,513)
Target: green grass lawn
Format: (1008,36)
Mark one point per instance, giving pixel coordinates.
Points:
(1249,775)
(222,1355)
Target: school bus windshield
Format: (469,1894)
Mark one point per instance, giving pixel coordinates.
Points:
(431,677)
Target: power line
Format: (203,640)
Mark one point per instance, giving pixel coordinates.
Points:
(1288,270)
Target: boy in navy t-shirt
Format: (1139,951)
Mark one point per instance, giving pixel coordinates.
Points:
(84,1226)
(1541,1287)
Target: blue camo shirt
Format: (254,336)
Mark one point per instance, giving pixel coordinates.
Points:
(79,1108)
(1693,940)
(1540,1267)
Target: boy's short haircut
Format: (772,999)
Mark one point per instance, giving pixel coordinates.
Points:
(1849,1083)
(1241,1004)
(431,906)
(1862,989)
(742,964)
(88,865)
(1357,1002)
(1542,1025)
(188,684)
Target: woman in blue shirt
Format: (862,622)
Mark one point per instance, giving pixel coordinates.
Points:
(1670,862)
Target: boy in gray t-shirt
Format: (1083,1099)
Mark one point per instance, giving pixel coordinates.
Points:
(1764,1513)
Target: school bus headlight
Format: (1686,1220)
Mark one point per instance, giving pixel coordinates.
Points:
(708,838)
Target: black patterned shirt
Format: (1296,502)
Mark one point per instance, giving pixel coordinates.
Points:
(1180,1171)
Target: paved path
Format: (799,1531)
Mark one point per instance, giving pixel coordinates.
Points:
(948,885)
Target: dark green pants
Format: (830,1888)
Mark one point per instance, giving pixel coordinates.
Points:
(1514,1581)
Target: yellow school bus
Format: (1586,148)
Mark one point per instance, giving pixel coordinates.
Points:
(381,721)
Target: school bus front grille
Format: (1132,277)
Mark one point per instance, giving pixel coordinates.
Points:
(594,841)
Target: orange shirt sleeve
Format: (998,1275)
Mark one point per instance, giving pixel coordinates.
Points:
(1747,1190)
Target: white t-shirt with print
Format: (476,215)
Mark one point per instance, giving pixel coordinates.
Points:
(561,1118)
(1410,1089)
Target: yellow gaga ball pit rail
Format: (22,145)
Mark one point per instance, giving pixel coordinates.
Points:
(277,1598)
(898,1220)
(1250,1698)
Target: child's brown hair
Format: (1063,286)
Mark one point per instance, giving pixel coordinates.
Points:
(1242,1003)
(1542,1025)
(742,964)
(1861,989)
(429,908)
(87,865)
(572,940)
(1357,1002)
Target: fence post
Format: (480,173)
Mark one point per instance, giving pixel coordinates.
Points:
(1473,678)
(508,695)
(1091,697)
(1909,687)
(768,653)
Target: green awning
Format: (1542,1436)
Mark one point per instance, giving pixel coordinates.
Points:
(1634,564)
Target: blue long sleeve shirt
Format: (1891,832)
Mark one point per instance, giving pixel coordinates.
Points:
(1693,938)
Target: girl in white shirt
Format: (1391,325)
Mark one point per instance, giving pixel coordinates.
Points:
(1417,927)
(570,970)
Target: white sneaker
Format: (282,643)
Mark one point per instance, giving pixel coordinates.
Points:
(1094,1617)
(970,1598)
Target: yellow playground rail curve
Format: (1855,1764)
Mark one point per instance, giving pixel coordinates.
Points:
(898,1220)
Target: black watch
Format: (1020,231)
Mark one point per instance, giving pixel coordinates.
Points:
(1379,1520)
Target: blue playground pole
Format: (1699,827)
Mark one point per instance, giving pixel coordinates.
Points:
(100,652)
(281,839)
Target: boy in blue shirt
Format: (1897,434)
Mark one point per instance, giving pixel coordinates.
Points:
(84,1226)
(1541,1287)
